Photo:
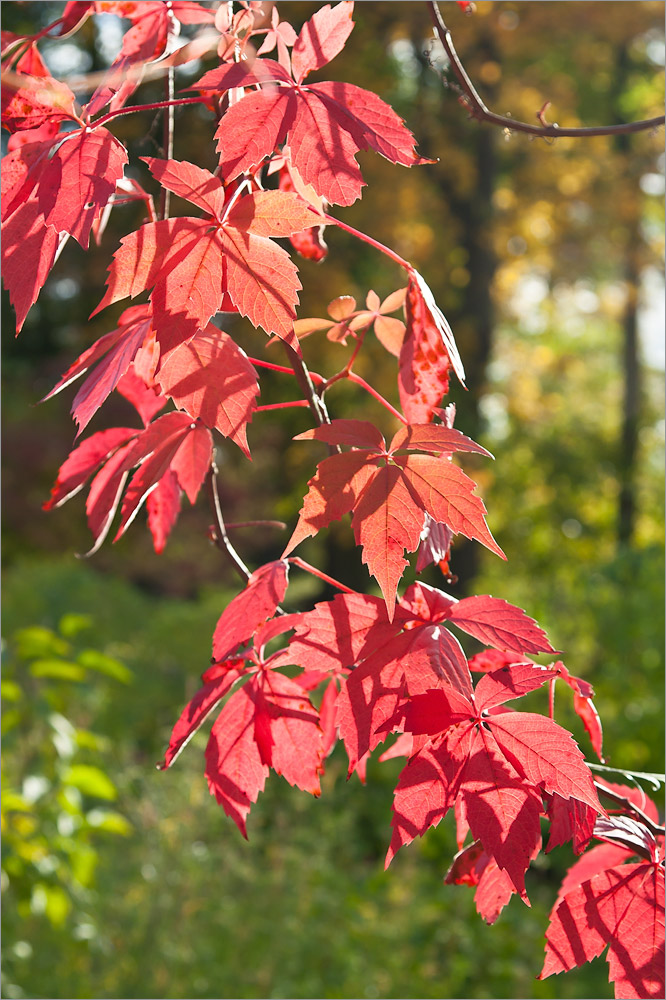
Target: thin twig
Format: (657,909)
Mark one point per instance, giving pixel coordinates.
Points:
(220,536)
(257,524)
(478,109)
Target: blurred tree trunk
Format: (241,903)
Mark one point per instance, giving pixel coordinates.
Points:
(627,460)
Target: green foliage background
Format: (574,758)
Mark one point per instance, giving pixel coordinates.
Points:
(120,881)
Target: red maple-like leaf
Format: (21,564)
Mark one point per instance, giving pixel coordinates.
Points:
(217,682)
(77,180)
(407,655)
(251,608)
(609,899)
(269,722)
(172,444)
(211,378)
(114,351)
(501,763)
(190,263)
(388,493)
(29,250)
(324,124)
(146,398)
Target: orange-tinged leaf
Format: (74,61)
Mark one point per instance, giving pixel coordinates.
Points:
(272,213)
(190,182)
(78,179)
(447,494)
(212,379)
(262,282)
(386,523)
(321,38)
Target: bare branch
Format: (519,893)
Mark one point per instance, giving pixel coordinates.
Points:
(220,536)
(478,109)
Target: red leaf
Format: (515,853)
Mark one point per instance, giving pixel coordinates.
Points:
(389,501)
(28,253)
(447,494)
(104,495)
(584,707)
(357,433)
(340,633)
(235,771)
(622,907)
(545,754)
(253,606)
(192,460)
(509,682)
(251,129)
(502,811)
(190,182)
(386,523)
(262,281)
(423,375)
(473,866)
(323,151)
(492,659)
(413,663)
(322,38)
(82,462)
(510,759)
(197,711)
(37,101)
(78,179)
(155,448)
(117,349)
(435,544)
(272,213)
(427,788)
(146,400)
(570,820)
(333,492)
(374,123)
(163,506)
(324,125)
(434,438)
(21,168)
(296,749)
(213,380)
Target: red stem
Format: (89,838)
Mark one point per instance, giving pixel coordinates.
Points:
(353,377)
(551,699)
(283,406)
(317,379)
(369,240)
(302,564)
(146,107)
